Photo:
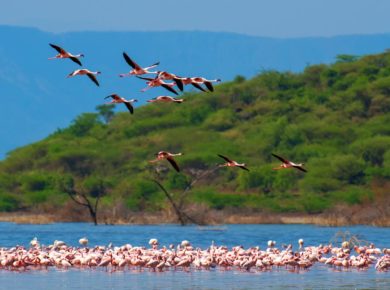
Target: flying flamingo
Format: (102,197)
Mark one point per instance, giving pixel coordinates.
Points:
(208,83)
(187,81)
(166,99)
(137,70)
(156,82)
(168,156)
(84,71)
(62,53)
(232,163)
(288,164)
(117,100)
(169,76)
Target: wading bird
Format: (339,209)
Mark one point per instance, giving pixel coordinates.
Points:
(156,82)
(208,83)
(168,156)
(84,71)
(232,163)
(137,70)
(288,164)
(188,81)
(118,100)
(62,53)
(165,99)
(169,76)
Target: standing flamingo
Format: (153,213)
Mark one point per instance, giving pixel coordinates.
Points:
(137,70)
(168,156)
(232,163)
(288,164)
(156,82)
(118,100)
(62,53)
(84,71)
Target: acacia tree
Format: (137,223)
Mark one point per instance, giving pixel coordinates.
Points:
(178,201)
(85,193)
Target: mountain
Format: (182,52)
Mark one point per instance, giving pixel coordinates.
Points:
(333,118)
(37,98)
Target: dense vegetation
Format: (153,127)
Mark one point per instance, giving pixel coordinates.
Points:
(333,118)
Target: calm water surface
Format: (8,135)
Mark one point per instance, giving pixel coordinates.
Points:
(318,277)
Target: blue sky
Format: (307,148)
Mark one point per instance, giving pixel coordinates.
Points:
(274,18)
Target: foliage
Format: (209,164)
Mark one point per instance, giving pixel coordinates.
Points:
(334,118)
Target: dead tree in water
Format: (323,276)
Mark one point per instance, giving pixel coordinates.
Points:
(87,195)
(178,204)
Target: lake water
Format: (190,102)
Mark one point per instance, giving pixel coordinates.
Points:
(317,277)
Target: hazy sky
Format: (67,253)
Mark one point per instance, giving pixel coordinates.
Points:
(275,18)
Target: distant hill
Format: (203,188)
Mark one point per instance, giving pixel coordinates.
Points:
(37,98)
(334,118)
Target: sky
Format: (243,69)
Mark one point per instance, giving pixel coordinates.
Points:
(276,18)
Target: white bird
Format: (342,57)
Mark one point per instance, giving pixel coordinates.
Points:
(83,241)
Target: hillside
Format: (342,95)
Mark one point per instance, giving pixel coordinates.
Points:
(334,118)
(39,99)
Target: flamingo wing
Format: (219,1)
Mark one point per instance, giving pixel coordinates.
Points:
(169,88)
(224,157)
(93,78)
(243,167)
(179,83)
(173,163)
(198,87)
(56,47)
(209,85)
(143,78)
(130,62)
(76,60)
(300,168)
(113,96)
(281,158)
(129,107)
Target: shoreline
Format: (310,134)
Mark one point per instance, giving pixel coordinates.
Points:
(322,219)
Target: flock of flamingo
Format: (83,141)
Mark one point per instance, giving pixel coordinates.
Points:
(186,257)
(159,80)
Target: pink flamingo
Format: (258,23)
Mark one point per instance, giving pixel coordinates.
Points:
(208,83)
(166,99)
(118,100)
(84,71)
(168,156)
(137,70)
(288,164)
(62,53)
(169,76)
(232,163)
(187,81)
(156,82)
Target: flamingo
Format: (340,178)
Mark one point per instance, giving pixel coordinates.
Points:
(288,164)
(169,76)
(156,82)
(232,163)
(168,156)
(62,53)
(83,241)
(187,81)
(165,99)
(84,71)
(208,83)
(137,70)
(117,100)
